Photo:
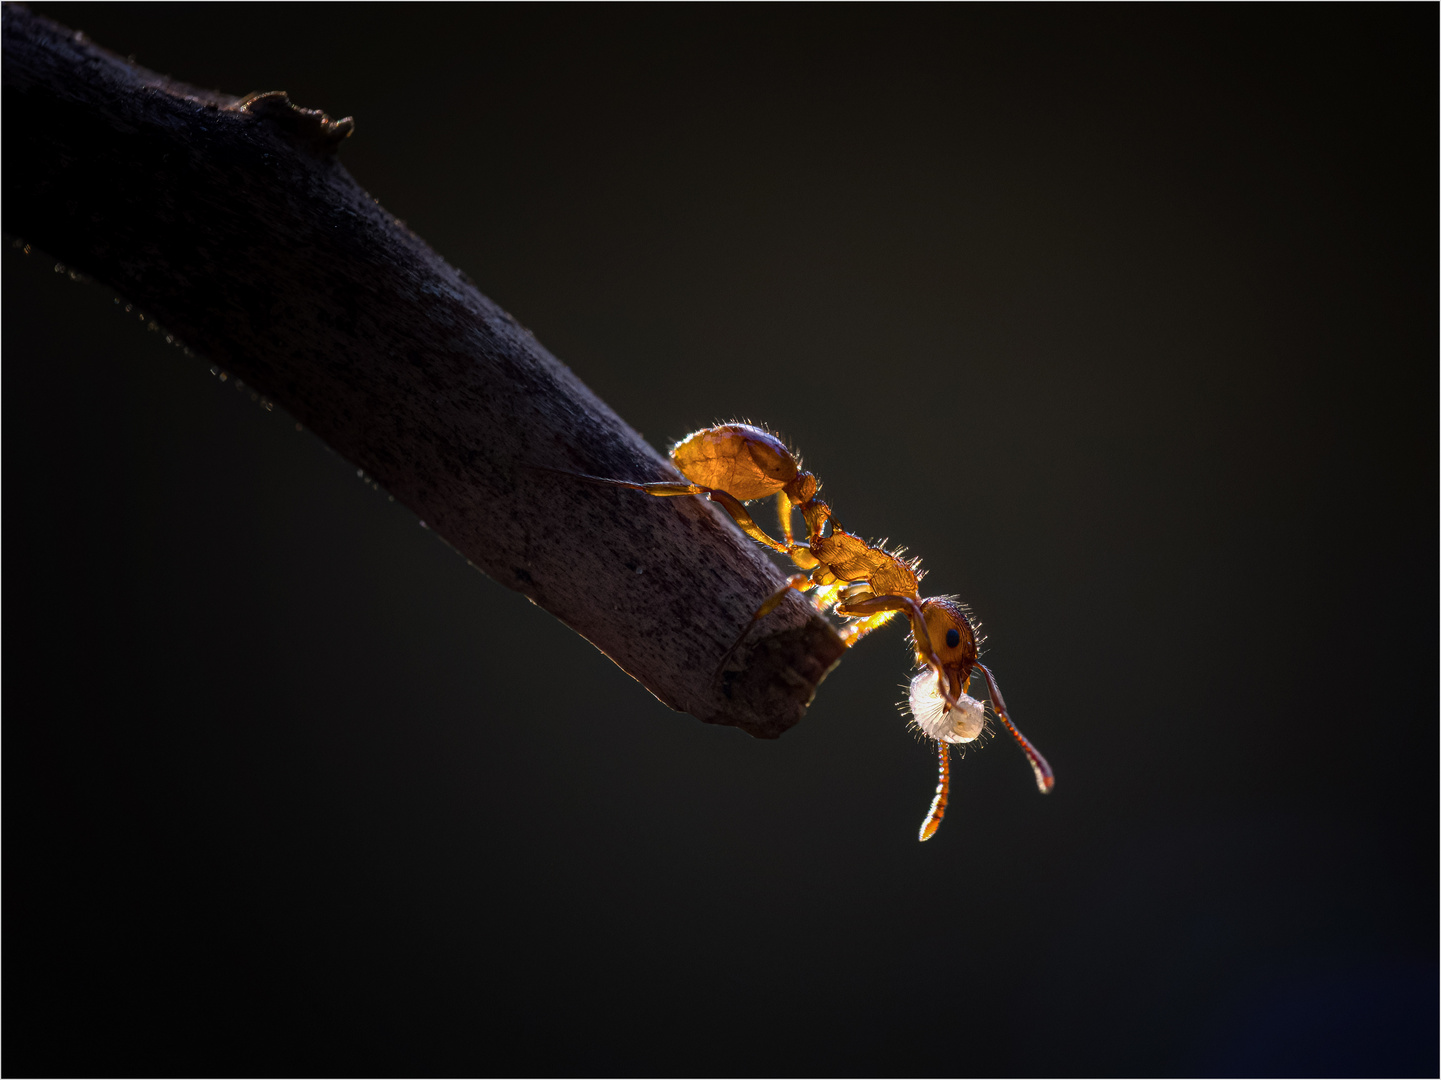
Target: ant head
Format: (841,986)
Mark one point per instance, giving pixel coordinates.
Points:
(952,636)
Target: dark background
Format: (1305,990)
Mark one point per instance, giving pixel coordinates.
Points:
(1124,319)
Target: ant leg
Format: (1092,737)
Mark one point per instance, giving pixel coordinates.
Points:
(1045,779)
(873,605)
(799,553)
(662,489)
(825,595)
(943,796)
(801,583)
(853,632)
(783,510)
(924,649)
(658,488)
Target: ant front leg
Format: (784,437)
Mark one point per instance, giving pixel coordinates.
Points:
(853,632)
(1045,778)
(889,605)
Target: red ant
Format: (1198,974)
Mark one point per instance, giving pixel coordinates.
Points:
(732,464)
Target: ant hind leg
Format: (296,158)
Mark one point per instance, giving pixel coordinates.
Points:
(728,502)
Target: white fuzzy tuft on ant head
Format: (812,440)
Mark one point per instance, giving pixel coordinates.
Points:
(963,724)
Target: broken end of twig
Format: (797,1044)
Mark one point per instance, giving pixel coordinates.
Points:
(771,693)
(312,128)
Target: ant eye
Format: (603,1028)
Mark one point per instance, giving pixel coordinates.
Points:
(953,637)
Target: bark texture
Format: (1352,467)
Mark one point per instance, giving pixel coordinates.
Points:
(231,221)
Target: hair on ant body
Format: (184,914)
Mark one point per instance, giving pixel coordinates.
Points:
(863,583)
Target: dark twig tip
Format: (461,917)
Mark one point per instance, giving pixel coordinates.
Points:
(312,127)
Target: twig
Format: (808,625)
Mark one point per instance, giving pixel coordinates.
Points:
(231,222)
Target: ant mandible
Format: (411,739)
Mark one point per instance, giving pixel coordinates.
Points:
(732,464)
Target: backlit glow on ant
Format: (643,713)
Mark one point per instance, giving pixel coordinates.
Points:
(732,464)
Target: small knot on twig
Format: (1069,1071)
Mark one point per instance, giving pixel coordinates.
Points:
(310,126)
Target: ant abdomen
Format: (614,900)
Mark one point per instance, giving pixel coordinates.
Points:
(739,459)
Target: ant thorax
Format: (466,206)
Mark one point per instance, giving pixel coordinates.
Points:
(962,724)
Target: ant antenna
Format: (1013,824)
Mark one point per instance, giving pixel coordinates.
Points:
(1045,779)
(943,796)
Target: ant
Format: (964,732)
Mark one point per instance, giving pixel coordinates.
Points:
(733,464)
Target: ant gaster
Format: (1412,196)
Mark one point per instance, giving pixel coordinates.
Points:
(732,464)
